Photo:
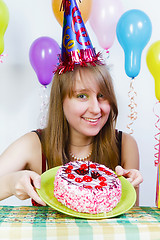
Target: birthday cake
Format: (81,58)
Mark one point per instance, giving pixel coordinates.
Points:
(88,187)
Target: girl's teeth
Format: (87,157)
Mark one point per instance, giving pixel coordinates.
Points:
(91,120)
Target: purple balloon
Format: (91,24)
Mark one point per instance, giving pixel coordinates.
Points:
(43,57)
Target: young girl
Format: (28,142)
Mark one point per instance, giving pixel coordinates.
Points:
(81,125)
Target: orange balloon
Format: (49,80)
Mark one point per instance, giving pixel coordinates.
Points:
(84,7)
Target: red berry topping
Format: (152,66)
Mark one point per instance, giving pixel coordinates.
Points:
(102,169)
(103,183)
(92,166)
(87,178)
(83,166)
(68,170)
(88,187)
(71,176)
(70,167)
(101,178)
(108,173)
(79,180)
(98,187)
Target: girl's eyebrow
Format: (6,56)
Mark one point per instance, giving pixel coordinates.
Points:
(81,90)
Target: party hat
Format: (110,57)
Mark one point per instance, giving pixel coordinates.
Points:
(76,44)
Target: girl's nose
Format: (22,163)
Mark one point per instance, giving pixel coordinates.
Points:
(94,106)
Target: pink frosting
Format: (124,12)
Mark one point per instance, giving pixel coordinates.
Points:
(99,192)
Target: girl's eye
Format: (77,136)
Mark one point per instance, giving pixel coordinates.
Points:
(82,96)
(100,95)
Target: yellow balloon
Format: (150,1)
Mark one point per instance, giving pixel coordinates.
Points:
(84,7)
(153,64)
(4,19)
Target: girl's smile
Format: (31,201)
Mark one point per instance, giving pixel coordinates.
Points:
(92,121)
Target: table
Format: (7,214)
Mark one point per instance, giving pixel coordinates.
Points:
(28,222)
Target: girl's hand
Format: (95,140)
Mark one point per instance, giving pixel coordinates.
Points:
(132,175)
(23,184)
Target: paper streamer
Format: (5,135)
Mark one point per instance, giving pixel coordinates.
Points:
(2,55)
(133,114)
(157,135)
(44,106)
(157,154)
(158,179)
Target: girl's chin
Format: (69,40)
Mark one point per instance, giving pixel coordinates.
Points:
(91,133)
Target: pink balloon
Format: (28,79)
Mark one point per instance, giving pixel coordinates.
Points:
(103,20)
(43,57)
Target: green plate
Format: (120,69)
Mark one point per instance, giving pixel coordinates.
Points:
(128,198)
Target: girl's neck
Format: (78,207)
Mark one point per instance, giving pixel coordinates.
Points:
(81,145)
(80,141)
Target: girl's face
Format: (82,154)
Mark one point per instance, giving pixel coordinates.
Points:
(87,110)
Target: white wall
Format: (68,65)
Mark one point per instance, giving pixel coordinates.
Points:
(20,90)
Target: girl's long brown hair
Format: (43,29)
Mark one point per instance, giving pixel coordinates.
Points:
(55,137)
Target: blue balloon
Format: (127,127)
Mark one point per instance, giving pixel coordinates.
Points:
(133,32)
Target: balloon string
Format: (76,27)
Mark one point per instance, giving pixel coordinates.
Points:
(2,55)
(108,53)
(157,138)
(44,106)
(133,114)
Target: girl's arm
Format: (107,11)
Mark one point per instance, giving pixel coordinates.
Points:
(130,162)
(20,168)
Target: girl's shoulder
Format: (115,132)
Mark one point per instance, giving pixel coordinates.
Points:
(23,153)
(130,152)
(126,137)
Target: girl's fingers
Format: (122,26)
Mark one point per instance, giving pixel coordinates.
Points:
(136,181)
(121,171)
(132,175)
(35,179)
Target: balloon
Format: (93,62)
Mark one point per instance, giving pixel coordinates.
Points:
(84,6)
(134,30)
(103,20)
(4,19)
(153,64)
(43,55)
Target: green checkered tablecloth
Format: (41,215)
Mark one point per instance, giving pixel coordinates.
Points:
(45,223)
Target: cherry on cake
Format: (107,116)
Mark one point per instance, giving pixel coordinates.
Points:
(87,187)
